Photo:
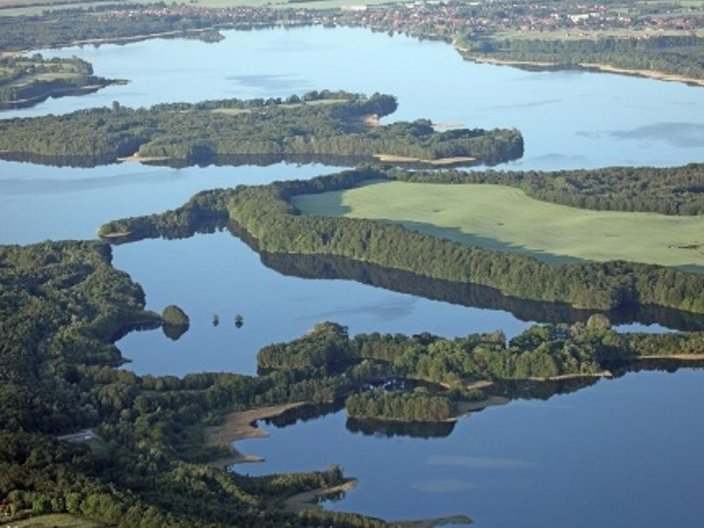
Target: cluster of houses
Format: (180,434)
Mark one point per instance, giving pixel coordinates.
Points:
(436,18)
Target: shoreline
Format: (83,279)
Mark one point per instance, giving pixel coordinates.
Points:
(57,93)
(440,162)
(576,375)
(136,158)
(587,66)
(463,520)
(465,52)
(143,36)
(465,408)
(674,357)
(239,425)
(310,500)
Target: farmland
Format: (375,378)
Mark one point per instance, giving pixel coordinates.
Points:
(502,218)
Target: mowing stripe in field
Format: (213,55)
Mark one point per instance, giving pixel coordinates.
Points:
(506,219)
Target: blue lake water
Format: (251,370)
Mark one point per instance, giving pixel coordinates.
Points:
(621,453)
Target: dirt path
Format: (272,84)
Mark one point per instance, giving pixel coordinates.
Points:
(240,426)
(310,499)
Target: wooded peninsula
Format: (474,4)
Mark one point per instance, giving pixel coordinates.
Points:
(87,440)
(26,81)
(318,125)
(268,217)
(62,306)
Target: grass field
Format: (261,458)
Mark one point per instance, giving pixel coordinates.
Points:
(505,219)
(56,520)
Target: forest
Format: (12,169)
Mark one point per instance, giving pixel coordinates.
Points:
(28,80)
(671,54)
(266,215)
(464,294)
(104,23)
(318,124)
(62,306)
(400,406)
(669,190)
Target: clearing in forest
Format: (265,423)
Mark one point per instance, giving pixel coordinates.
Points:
(503,218)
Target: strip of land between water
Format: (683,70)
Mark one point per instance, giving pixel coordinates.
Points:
(591,66)
(239,425)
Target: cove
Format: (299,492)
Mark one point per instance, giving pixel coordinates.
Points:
(617,453)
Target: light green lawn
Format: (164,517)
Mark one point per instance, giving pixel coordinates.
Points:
(55,520)
(318,102)
(503,218)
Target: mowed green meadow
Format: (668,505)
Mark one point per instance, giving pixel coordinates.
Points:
(55,520)
(506,219)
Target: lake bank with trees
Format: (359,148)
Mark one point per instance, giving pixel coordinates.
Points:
(316,125)
(29,80)
(640,42)
(268,215)
(157,425)
(543,438)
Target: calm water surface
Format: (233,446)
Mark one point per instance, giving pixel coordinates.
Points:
(621,453)
(569,119)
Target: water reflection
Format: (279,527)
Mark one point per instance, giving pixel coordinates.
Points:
(524,390)
(472,295)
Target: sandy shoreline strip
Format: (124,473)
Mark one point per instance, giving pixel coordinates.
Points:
(310,500)
(592,66)
(576,375)
(239,426)
(440,162)
(466,407)
(137,158)
(675,357)
(433,523)
(650,74)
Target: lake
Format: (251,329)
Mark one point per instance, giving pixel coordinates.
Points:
(618,453)
(623,452)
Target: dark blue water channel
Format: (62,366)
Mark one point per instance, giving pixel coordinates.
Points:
(623,452)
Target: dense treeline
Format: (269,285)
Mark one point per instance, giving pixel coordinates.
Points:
(671,190)
(465,294)
(105,23)
(204,212)
(399,406)
(673,54)
(326,345)
(267,216)
(61,307)
(264,213)
(540,352)
(61,303)
(318,124)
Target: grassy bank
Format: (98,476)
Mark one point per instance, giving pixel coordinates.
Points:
(505,219)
